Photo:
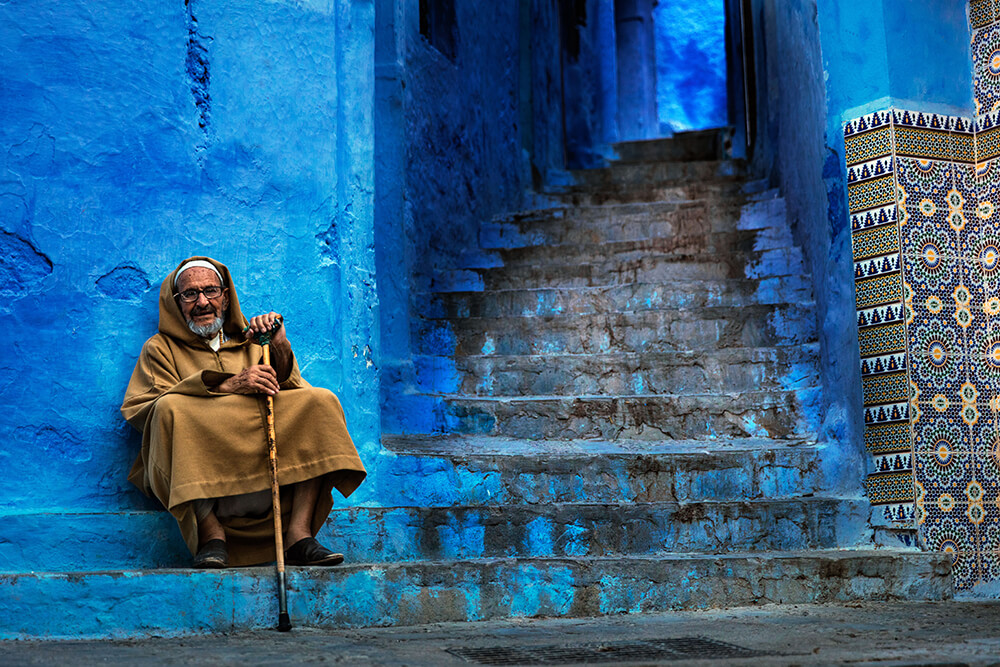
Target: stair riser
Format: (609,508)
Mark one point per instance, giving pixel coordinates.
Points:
(574,376)
(643,270)
(607,300)
(653,476)
(730,245)
(656,173)
(168,603)
(647,331)
(403,534)
(744,416)
(632,193)
(686,146)
(749,264)
(693,222)
(387,535)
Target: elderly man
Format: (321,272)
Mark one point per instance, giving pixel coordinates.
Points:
(196,396)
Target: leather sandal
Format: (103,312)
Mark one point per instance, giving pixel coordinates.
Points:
(308,551)
(212,555)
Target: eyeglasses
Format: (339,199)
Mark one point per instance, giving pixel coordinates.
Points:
(191,295)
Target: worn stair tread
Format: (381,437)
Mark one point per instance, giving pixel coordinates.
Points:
(631,257)
(699,313)
(634,222)
(614,299)
(657,173)
(735,245)
(266,572)
(583,300)
(761,395)
(451,445)
(683,146)
(114,604)
(789,367)
(749,414)
(614,272)
(733,354)
(499,527)
(640,331)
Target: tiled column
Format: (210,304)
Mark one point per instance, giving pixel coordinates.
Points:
(923,260)
(983,252)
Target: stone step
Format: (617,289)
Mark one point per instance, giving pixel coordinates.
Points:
(764,414)
(574,195)
(726,249)
(716,371)
(683,147)
(456,473)
(491,470)
(141,603)
(730,293)
(634,222)
(646,174)
(637,268)
(396,534)
(647,182)
(749,242)
(644,331)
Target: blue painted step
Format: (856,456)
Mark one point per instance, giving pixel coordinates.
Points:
(717,371)
(551,301)
(141,603)
(141,540)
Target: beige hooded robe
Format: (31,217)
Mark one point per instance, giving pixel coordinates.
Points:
(201,444)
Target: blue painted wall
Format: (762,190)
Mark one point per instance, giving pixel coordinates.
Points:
(449,154)
(135,134)
(690,65)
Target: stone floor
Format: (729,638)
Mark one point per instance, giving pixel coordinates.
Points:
(865,633)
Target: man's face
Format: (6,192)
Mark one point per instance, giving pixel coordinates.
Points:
(202,311)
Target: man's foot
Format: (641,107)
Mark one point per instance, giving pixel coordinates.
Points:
(212,555)
(308,551)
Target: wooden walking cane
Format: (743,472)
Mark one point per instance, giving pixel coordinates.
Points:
(284,623)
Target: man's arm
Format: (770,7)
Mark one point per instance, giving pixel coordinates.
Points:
(261,379)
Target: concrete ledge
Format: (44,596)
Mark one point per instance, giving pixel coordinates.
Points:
(179,602)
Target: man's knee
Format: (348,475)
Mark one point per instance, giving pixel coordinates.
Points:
(319,395)
(167,406)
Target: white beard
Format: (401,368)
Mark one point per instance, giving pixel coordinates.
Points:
(206,330)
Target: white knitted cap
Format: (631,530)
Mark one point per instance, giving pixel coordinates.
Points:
(197,262)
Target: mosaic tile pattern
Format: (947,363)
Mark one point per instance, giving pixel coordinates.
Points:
(922,189)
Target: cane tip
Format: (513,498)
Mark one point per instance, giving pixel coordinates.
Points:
(284,623)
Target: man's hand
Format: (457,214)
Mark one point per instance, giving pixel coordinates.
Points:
(264,323)
(253,380)
(281,349)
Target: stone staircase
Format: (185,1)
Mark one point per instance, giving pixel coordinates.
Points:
(615,410)
(632,374)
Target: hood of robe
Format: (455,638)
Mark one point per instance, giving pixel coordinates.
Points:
(172,322)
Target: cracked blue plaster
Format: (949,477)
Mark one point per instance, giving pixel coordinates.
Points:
(197,68)
(123,283)
(22,266)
